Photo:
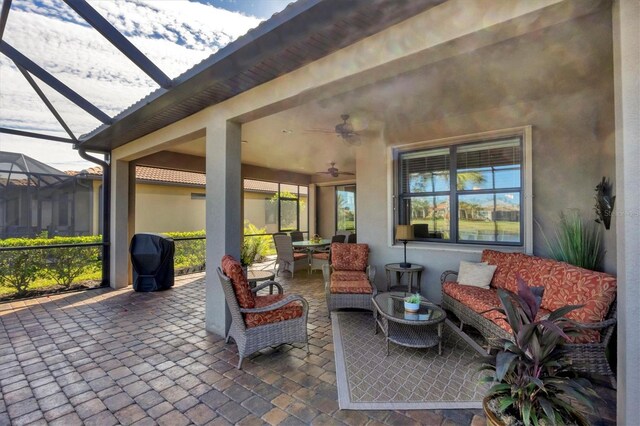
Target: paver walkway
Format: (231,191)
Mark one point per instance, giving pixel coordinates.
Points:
(107,357)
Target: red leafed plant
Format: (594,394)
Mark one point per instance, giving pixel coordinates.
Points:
(530,371)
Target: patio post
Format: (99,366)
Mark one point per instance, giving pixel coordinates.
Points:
(223,214)
(120,223)
(626,60)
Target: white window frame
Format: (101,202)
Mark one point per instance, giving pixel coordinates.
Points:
(393,153)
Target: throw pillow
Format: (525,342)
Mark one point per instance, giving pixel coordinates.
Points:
(476,274)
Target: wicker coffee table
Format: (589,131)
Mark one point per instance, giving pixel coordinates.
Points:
(422,329)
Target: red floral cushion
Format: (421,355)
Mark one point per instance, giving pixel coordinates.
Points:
(298,256)
(535,271)
(233,270)
(349,257)
(350,287)
(321,256)
(481,300)
(504,276)
(348,276)
(288,311)
(570,285)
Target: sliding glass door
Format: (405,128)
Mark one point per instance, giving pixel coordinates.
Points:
(346,208)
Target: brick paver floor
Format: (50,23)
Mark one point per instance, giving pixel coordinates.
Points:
(106,357)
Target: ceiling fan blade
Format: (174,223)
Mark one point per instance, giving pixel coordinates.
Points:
(346,173)
(319,131)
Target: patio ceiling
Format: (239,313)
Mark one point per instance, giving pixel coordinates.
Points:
(399,108)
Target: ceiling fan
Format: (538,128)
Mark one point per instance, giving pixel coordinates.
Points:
(334,172)
(344,130)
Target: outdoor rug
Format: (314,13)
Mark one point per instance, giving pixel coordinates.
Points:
(407,379)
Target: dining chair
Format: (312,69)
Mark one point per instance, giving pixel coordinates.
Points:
(286,258)
(322,256)
(351,239)
(297,236)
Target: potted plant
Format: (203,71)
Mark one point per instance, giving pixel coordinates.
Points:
(412,302)
(577,242)
(529,372)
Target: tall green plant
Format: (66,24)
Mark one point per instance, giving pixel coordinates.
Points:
(577,242)
(254,247)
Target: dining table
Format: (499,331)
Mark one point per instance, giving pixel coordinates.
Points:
(311,245)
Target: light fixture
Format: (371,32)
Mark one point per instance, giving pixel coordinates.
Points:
(404,233)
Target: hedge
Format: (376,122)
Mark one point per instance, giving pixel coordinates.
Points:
(20,270)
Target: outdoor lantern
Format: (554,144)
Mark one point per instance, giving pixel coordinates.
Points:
(404,233)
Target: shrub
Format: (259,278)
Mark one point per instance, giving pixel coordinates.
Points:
(189,253)
(19,269)
(253,247)
(64,265)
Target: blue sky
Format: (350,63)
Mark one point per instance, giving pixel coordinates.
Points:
(174,34)
(260,8)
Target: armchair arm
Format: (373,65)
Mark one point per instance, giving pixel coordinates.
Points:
(279,304)
(326,272)
(371,273)
(267,284)
(445,274)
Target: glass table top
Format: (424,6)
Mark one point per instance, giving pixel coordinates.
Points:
(391,305)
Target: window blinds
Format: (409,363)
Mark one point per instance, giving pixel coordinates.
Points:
(420,170)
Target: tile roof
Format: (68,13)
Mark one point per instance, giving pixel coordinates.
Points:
(154,174)
(179,177)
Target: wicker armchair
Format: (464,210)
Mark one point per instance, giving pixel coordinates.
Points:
(587,357)
(260,321)
(348,281)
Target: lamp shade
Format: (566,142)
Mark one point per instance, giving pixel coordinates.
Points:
(404,232)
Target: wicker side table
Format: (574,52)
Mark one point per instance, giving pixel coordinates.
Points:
(414,270)
(422,329)
(255,276)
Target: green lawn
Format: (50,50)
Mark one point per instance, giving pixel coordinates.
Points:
(471,227)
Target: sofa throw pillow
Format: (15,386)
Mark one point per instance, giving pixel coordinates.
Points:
(475,274)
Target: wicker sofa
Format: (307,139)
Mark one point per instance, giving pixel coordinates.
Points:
(563,284)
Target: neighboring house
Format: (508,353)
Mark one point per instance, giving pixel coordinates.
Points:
(167,200)
(37,198)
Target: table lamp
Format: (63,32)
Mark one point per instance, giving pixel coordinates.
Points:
(404,233)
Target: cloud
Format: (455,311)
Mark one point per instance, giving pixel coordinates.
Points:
(175,35)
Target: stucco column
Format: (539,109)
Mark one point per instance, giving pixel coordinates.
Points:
(626,51)
(223,214)
(119,224)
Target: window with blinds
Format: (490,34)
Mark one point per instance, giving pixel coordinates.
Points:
(483,207)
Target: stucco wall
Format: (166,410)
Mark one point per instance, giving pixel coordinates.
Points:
(571,111)
(161,208)
(326,211)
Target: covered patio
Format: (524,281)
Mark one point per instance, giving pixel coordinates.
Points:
(559,77)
